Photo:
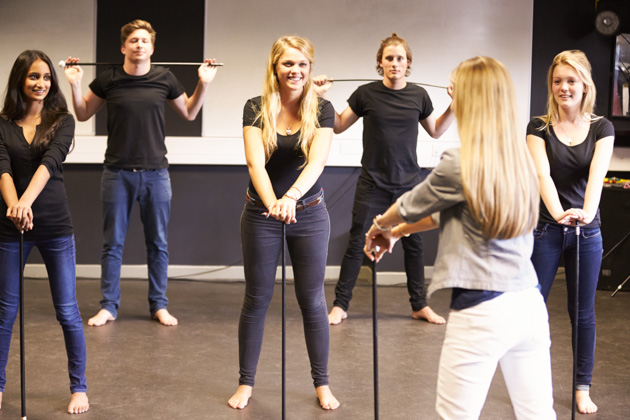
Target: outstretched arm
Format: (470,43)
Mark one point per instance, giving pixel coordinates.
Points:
(437,127)
(84,106)
(344,120)
(387,230)
(188,107)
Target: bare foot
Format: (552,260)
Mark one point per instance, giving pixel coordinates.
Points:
(326,399)
(165,318)
(584,403)
(241,397)
(78,403)
(0,399)
(428,314)
(336,315)
(101,318)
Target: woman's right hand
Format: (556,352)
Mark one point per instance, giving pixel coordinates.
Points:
(378,242)
(74,74)
(22,216)
(283,210)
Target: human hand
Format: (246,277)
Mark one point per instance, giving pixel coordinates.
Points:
(206,71)
(21,215)
(74,73)
(322,85)
(283,210)
(570,216)
(377,242)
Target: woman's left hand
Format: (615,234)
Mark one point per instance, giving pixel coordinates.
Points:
(284,210)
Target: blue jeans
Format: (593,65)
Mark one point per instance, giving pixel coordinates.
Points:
(59,256)
(370,200)
(307,242)
(120,189)
(550,243)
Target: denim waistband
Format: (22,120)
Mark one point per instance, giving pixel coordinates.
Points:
(301,204)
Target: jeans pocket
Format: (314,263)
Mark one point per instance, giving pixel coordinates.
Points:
(365,185)
(590,233)
(163,174)
(540,233)
(110,174)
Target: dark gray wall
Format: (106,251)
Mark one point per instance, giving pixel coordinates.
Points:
(206,208)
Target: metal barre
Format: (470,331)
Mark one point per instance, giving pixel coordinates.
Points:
(63,64)
(378,80)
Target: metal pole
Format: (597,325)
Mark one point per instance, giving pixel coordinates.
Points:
(22,358)
(575,316)
(375,339)
(284,322)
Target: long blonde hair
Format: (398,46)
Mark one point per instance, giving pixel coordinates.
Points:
(578,61)
(271,105)
(498,175)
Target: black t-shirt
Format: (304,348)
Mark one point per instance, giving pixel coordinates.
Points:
(51,214)
(135,115)
(390,132)
(283,167)
(569,165)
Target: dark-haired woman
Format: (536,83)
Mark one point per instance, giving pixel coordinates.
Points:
(36,133)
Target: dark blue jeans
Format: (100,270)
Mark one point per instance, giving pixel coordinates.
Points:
(59,257)
(550,243)
(369,201)
(120,189)
(307,242)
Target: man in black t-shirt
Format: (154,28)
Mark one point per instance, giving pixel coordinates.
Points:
(391,110)
(136,168)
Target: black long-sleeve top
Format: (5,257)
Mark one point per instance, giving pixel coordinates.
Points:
(51,214)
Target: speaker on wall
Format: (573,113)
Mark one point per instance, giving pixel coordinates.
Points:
(612,17)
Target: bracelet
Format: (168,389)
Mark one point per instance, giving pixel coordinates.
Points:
(298,190)
(377,226)
(292,198)
(402,233)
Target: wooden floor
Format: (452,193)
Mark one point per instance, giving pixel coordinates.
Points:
(138,369)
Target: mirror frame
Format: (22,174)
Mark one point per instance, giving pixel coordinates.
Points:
(620,92)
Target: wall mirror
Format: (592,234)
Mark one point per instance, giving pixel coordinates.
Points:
(621,77)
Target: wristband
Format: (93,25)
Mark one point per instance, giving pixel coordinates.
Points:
(402,233)
(377,226)
(297,189)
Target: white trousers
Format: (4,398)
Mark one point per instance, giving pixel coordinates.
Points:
(511,329)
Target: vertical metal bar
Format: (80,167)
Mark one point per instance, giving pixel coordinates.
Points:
(375,338)
(284,322)
(22,358)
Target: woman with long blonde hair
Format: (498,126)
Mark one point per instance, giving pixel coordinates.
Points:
(484,198)
(571,148)
(287,133)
